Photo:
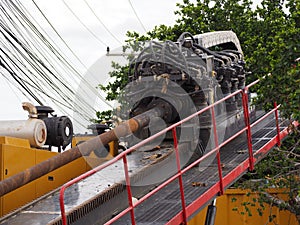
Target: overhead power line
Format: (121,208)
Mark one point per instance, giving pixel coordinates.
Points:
(86,84)
(138,18)
(84,25)
(31,62)
(100,21)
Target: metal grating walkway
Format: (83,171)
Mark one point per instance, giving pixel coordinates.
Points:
(166,204)
(89,205)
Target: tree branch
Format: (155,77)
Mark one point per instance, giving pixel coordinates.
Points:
(281,204)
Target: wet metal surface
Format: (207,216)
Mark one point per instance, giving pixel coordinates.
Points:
(32,173)
(47,209)
(164,205)
(103,195)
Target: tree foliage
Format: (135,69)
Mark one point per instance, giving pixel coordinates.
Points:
(113,88)
(269,36)
(280,169)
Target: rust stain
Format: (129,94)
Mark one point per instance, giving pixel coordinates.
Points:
(199,184)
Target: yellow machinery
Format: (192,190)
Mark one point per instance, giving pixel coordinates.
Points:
(22,146)
(231,211)
(112,146)
(17,155)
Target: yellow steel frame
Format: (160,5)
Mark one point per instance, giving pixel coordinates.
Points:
(230,210)
(16,155)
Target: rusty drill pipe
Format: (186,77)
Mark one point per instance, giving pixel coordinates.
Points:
(130,126)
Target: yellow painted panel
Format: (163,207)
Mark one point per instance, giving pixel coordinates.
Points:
(16,159)
(227,216)
(13,160)
(59,176)
(93,161)
(17,198)
(113,145)
(24,143)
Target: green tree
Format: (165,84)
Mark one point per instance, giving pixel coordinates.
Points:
(269,35)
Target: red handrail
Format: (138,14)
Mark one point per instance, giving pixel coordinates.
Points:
(128,187)
(180,175)
(216,139)
(180,171)
(247,122)
(277,124)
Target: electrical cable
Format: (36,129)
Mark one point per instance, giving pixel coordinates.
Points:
(22,84)
(138,18)
(85,26)
(81,78)
(30,46)
(100,21)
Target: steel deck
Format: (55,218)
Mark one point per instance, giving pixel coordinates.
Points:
(165,205)
(103,195)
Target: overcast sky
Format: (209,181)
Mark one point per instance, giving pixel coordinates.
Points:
(90,42)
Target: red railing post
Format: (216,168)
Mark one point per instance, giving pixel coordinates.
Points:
(186,210)
(62,205)
(248,125)
(277,123)
(180,176)
(128,187)
(218,149)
